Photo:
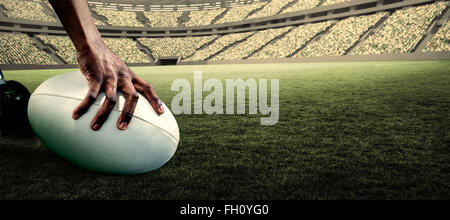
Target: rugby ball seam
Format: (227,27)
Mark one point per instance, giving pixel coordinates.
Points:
(134,117)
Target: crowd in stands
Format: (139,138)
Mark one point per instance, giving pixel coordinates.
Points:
(63,45)
(124,48)
(272,8)
(342,36)
(181,47)
(27,9)
(127,50)
(301,5)
(293,41)
(332,2)
(23,9)
(250,45)
(120,18)
(99,22)
(204,17)
(218,45)
(402,31)
(440,41)
(20,49)
(239,13)
(163,19)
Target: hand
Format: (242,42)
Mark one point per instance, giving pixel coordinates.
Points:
(105,72)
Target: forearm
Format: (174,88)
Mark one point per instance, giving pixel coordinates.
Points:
(77,19)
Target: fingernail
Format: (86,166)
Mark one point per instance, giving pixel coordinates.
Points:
(76,116)
(160,107)
(123,125)
(96,127)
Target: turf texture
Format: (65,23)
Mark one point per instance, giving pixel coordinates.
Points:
(369,130)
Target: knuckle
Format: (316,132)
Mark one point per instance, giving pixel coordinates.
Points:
(130,71)
(112,100)
(134,96)
(94,85)
(111,81)
(108,69)
(91,76)
(148,86)
(155,99)
(127,116)
(123,75)
(93,80)
(91,96)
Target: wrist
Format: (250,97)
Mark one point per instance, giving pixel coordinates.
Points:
(90,45)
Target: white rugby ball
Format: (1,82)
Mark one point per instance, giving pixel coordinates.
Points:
(149,142)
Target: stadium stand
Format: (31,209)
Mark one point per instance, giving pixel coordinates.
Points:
(127,50)
(28,10)
(124,48)
(163,19)
(402,31)
(175,47)
(398,30)
(98,22)
(203,18)
(342,36)
(293,41)
(272,8)
(120,18)
(332,2)
(301,5)
(63,46)
(219,45)
(239,13)
(440,41)
(251,45)
(20,49)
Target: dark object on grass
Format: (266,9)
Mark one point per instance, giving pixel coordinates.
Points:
(2,79)
(13,106)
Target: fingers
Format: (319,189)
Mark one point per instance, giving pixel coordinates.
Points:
(107,106)
(129,84)
(131,100)
(91,96)
(147,90)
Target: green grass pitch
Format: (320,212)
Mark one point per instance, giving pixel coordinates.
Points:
(369,130)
